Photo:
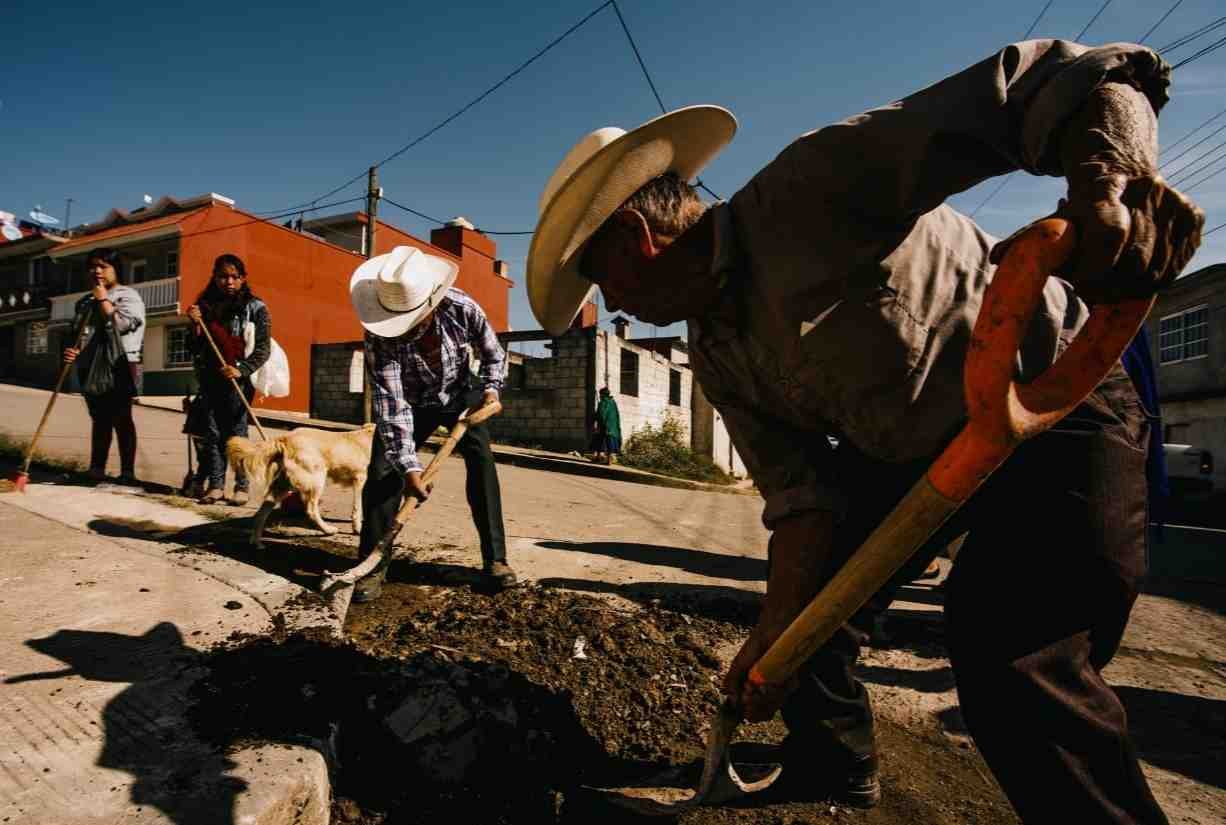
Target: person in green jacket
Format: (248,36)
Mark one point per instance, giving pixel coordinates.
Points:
(607,439)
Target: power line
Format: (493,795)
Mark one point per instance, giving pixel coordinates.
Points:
(467,106)
(1194,145)
(1082,33)
(1005,181)
(1161,20)
(1213,47)
(638,56)
(1035,24)
(1214,229)
(1207,178)
(1182,172)
(422,215)
(1188,38)
(1194,131)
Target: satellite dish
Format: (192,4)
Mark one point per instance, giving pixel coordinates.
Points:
(10,232)
(148,199)
(42,217)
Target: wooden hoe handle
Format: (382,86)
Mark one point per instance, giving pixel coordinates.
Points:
(1000,415)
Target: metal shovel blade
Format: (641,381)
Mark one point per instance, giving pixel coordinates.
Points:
(721,780)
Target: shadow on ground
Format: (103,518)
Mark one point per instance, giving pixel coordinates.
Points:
(1179,733)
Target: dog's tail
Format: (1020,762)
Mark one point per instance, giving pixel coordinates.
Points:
(257,460)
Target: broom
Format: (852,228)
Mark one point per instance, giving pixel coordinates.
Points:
(19,481)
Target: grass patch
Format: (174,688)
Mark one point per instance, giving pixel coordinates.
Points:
(663,450)
(14,449)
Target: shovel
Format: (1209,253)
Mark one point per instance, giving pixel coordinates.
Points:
(337,589)
(1000,415)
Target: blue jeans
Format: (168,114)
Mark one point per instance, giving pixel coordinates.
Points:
(227,418)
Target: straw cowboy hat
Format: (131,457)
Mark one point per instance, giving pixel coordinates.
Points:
(392,293)
(604,169)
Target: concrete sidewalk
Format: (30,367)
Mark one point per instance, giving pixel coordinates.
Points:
(105,623)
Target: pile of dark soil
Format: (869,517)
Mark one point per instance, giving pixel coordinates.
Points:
(454,705)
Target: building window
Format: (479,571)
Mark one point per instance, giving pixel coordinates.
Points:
(137,271)
(172,264)
(178,353)
(630,373)
(1184,335)
(674,387)
(36,338)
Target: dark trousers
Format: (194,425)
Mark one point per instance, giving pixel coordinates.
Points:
(112,413)
(384,490)
(1035,609)
(227,418)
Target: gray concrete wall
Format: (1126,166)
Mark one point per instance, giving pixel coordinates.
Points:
(1197,376)
(331,398)
(551,409)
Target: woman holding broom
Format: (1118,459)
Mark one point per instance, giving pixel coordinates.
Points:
(109,362)
(232,316)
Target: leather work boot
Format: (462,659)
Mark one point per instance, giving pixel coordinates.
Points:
(853,781)
(371,587)
(500,575)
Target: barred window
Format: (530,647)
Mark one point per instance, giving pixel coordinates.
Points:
(1184,335)
(629,373)
(178,354)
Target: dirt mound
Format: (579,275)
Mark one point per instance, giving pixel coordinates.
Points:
(458,706)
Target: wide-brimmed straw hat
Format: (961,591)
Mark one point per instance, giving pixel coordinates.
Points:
(392,293)
(595,178)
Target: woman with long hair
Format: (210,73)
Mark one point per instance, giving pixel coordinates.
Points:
(109,362)
(239,324)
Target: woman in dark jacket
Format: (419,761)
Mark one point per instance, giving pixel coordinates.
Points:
(115,317)
(227,308)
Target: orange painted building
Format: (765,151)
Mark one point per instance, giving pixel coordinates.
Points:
(302,274)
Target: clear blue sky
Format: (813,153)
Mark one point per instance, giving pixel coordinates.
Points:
(274,104)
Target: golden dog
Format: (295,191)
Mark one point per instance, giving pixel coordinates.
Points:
(303,461)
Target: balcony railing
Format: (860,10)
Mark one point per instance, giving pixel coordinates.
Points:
(159,296)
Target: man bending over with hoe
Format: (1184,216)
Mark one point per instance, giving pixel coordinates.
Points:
(419,331)
(835,294)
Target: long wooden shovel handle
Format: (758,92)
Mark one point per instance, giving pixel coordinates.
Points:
(1001,414)
(410,503)
(59,384)
(209,337)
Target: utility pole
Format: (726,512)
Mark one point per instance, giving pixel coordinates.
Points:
(67,215)
(373,193)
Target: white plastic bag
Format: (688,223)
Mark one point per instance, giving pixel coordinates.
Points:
(272,379)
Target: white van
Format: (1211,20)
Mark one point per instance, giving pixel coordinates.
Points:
(1189,470)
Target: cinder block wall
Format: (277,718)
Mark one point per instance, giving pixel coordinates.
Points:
(331,398)
(651,404)
(551,409)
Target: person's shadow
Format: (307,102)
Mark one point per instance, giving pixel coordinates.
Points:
(146,733)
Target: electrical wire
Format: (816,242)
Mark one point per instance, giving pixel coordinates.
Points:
(1005,181)
(1208,50)
(1214,229)
(1188,38)
(1082,33)
(1161,20)
(467,106)
(1194,131)
(1206,178)
(1219,130)
(1183,171)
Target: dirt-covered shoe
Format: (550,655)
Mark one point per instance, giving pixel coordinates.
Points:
(500,574)
(214,495)
(853,781)
(369,588)
(239,498)
(97,473)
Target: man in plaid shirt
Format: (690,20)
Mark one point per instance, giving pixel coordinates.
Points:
(420,380)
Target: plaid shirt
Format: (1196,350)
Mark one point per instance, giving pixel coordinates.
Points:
(403,373)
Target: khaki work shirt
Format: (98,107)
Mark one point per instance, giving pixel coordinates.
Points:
(852,289)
